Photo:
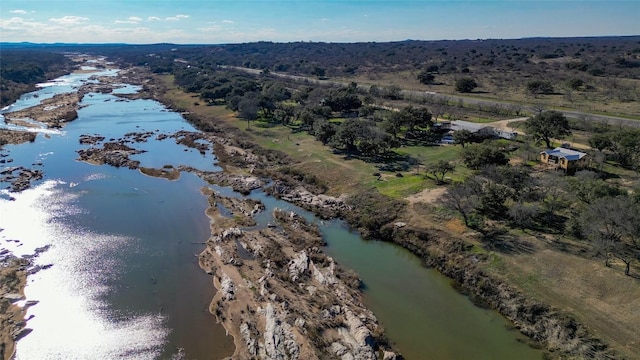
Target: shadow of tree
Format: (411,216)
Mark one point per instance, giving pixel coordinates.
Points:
(501,240)
(391,161)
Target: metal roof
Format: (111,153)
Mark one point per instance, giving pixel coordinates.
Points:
(466,125)
(565,153)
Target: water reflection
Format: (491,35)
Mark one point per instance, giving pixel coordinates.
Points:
(71,320)
(124,281)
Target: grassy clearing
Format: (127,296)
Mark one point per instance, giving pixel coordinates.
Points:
(340,174)
(602,298)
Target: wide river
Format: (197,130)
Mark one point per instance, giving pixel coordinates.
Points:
(124,280)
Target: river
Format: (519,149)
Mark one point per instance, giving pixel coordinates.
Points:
(124,280)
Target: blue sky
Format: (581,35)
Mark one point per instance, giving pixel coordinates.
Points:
(215,21)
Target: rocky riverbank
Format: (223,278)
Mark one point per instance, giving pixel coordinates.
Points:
(278,295)
(53,112)
(13,277)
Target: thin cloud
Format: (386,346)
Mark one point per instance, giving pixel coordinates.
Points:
(177,17)
(153,18)
(22,12)
(211,28)
(69,20)
(130,20)
(228,21)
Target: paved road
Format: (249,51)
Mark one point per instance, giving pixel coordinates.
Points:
(612,120)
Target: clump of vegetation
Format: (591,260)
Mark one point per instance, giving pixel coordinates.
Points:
(465,85)
(371,211)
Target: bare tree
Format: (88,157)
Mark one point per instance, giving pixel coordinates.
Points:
(612,224)
(463,198)
(523,214)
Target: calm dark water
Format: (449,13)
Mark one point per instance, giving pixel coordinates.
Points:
(125,281)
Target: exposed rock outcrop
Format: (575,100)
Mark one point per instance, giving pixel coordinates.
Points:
(265,301)
(112,153)
(20,177)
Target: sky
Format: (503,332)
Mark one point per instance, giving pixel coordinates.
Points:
(239,21)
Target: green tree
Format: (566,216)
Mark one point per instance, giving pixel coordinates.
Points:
(426,77)
(440,169)
(465,85)
(415,116)
(493,199)
(463,137)
(539,87)
(392,124)
(324,130)
(248,108)
(477,156)
(548,125)
(575,83)
(319,72)
(626,147)
(600,141)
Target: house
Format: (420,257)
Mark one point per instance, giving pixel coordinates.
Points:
(474,128)
(481,130)
(562,158)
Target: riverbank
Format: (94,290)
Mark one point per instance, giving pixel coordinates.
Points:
(13,277)
(454,254)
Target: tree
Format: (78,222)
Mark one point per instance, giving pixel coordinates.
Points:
(548,125)
(392,92)
(318,71)
(612,224)
(539,87)
(523,214)
(248,108)
(392,124)
(426,77)
(463,198)
(626,147)
(348,133)
(440,169)
(463,137)
(324,130)
(575,83)
(553,191)
(342,100)
(600,141)
(465,85)
(415,116)
(587,187)
(493,199)
(477,156)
